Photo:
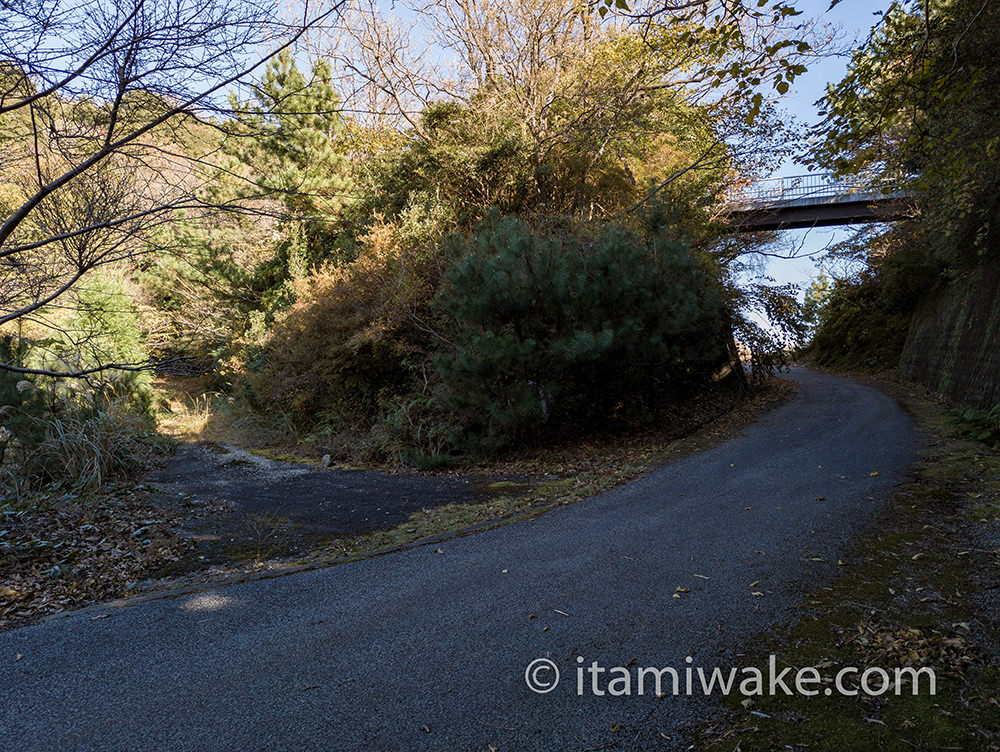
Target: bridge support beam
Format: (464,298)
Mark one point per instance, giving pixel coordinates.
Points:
(827,214)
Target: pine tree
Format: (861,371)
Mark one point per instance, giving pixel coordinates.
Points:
(297,148)
(552,333)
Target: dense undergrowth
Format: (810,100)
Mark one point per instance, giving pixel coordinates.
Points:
(865,318)
(492,272)
(916,116)
(78,437)
(503,337)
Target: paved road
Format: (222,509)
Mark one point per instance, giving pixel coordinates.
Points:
(427,651)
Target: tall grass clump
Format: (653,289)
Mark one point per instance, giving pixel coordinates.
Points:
(69,433)
(87,453)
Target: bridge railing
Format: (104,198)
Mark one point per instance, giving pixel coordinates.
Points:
(817,187)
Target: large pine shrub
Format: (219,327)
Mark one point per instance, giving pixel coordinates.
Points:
(551,332)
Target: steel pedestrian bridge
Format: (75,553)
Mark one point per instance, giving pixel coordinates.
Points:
(817,200)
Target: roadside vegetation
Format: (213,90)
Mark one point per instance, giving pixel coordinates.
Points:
(500,253)
(918,110)
(441,279)
(919,589)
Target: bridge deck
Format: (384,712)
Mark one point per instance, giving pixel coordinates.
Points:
(814,201)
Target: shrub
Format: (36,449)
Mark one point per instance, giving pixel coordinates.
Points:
(866,318)
(86,453)
(553,332)
(67,431)
(353,340)
(22,405)
(102,327)
(859,327)
(981,425)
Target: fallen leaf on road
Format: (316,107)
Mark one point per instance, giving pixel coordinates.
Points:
(676,595)
(615,727)
(757,594)
(682,590)
(755,583)
(99,616)
(872,475)
(18,657)
(438,551)
(747,509)
(820,498)
(702,576)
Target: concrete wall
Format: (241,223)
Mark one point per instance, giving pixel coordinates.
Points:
(953,345)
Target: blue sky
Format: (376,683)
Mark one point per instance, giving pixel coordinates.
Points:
(854,19)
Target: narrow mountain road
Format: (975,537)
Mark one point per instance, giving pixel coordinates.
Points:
(422,650)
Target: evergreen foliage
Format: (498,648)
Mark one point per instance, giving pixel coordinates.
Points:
(816,297)
(981,425)
(23,408)
(102,327)
(551,332)
(293,144)
(866,317)
(326,267)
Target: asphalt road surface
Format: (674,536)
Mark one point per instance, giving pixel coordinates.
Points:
(427,651)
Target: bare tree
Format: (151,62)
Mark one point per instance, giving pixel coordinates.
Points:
(108,110)
(577,80)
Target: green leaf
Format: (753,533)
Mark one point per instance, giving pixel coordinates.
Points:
(755,103)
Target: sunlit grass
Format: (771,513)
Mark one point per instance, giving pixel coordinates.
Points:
(188,411)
